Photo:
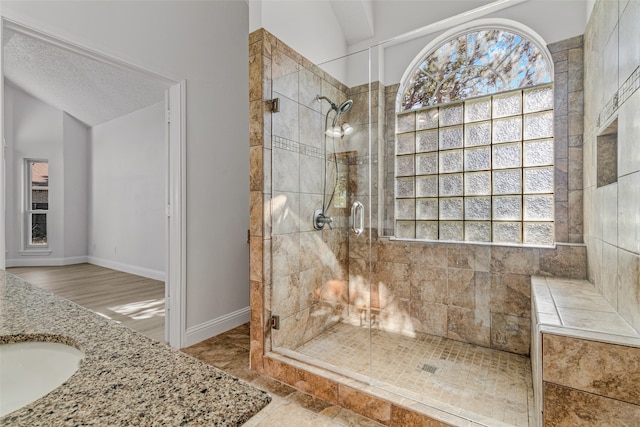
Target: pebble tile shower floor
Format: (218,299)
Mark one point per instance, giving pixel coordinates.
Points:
(475,382)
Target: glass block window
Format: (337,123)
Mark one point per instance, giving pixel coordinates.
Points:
(479,63)
(479,170)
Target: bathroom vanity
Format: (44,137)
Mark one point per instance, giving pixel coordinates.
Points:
(124,378)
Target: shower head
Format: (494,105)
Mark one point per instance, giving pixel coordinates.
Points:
(345,107)
(339,109)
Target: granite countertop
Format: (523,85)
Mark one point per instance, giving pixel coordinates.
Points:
(125,377)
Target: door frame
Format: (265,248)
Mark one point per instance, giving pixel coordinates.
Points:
(175,184)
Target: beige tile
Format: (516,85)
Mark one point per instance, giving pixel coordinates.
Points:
(461,256)
(565,407)
(629,287)
(394,251)
(349,418)
(291,414)
(430,255)
(599,368)
(577,294)
(628,212)
(466,325)
(515,260)
(461,291)
(255,77)
(364,404)
(609,283)
(511,294)
(429,284)
(510,333)
(403,417)
(429,317)
(286,255)
(569,261)
(256,182)
(595,321)
(474,376)
(256,258)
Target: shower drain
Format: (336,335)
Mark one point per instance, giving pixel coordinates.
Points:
(428,368)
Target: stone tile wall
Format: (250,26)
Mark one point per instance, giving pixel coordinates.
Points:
(291,262)
(473,293)
(568,137)
(612,212)
(589,383)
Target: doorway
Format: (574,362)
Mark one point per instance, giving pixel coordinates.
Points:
(173,118)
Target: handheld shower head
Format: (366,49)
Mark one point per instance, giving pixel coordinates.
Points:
(339,109)
(345,107)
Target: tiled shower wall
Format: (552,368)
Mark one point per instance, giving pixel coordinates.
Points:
(612,212)
(287,182)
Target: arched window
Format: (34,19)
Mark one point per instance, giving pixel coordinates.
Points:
(474,142)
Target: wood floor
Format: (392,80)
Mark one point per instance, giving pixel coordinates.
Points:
(134,301)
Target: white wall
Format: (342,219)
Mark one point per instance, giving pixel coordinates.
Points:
(36,130)
(75,152)
(206,44)
(128,180)
(551,20)
(36,133)
(310,27)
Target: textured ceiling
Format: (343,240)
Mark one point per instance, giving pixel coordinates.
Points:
(90,90)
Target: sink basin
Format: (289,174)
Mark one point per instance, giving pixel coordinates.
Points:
(29,370)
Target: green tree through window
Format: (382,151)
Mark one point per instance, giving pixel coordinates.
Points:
(475,64)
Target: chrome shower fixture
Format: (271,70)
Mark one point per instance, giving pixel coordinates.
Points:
(337,130)
(340,109)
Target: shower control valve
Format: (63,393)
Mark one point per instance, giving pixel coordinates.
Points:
(320,219)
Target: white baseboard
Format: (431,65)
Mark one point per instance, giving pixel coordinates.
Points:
(127,268)
(36,261)
(203,331)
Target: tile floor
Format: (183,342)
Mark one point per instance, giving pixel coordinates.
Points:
(488,384)
(464,379)
(289,407)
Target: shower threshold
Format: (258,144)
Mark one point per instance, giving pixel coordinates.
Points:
(430,374)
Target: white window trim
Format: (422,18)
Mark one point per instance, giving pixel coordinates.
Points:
(28,247)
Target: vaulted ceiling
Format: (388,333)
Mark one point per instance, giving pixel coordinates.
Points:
(80,84)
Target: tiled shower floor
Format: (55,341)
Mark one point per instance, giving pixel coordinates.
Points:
(488,386)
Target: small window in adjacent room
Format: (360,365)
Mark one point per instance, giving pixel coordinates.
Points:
(37,203)
(607,160)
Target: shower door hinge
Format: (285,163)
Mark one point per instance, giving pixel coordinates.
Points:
(168,116)
(274,105)
(275,322)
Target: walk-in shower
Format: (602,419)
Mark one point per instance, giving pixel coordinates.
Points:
(345,305)
(336,130)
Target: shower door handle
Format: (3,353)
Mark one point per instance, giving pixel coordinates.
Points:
(357,217)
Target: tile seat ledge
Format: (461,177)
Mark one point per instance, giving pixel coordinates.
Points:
(575,308)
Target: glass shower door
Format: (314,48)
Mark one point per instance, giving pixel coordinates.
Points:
(320,212)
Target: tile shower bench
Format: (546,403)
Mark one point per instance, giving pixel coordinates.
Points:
(585,357)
